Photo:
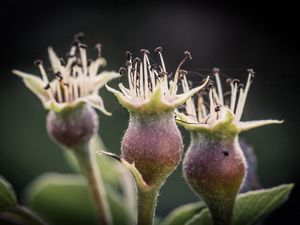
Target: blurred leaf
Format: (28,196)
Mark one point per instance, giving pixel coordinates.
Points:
(183,213)
(7,194)
(64,199)
(108,168)
(250,207)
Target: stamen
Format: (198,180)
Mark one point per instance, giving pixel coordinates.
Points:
(233,86)
(82,50)
(190,105)
(244,96)
(145,52)
(98,48)
(141,81)
(58,91)
(216,72)
(159,51)
(174,87)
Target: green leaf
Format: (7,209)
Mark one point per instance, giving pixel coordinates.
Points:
(202,218)
(64,199)
(7,195)
(250,207)
(183,213)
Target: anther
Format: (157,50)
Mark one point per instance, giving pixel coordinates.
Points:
(122,70)
(76,43)
(84,46)
(79,37)
(210,85)
(217,108)
(58,75)
(145,51)
(68,55)
(128,55)
(153,67)
(216,70)
(251,72)
(62,62)
(66,84)
(136,60)
(38,62)
(188,55)
(47,86)
(241,86)
(128,63)
(228,81)
(235,81)
(158,49)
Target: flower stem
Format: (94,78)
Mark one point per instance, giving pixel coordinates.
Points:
(89,168)
(146,206)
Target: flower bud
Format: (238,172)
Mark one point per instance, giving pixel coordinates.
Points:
(214,165)
(154,145)
(215,169)
(73,127)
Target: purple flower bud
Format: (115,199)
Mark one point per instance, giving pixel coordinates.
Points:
(73,127)
(154,144)
(215,170)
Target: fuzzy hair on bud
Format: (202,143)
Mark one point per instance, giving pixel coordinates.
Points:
(73,127)
(154,145)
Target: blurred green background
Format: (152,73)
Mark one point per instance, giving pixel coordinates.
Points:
(233,37)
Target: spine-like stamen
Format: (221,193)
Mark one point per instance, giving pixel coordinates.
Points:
(216,96)
(129,74)
(151,74)
(199,107)
(239,105)
(159,51)
(233,96)
(98,48)
(39,63)
(219,86)
(145,74)
(244,96)
(211,103)
(190,105)
(174,86)
(82,50)
(135,94)
(58,91)
(72,57)
(141,81)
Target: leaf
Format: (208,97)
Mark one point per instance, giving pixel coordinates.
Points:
(7,195)
(64,199)
(183,213)
(203,218)
(250,207)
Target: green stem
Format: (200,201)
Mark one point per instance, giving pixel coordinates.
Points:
(89,168)
(222,212)
(146,206)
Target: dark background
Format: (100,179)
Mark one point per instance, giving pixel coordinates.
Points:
(231,36)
